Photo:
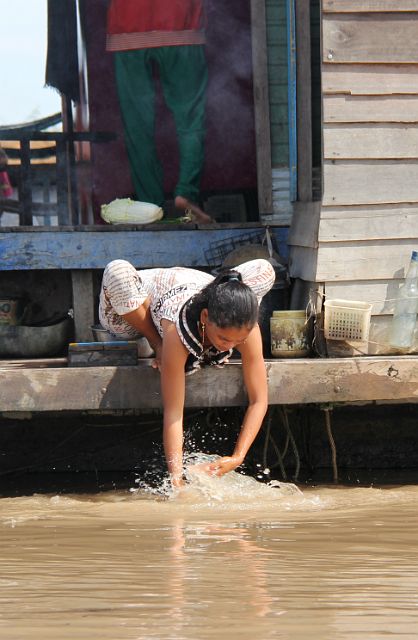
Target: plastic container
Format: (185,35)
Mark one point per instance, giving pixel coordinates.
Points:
(347,320)
(406,308)
(288,334)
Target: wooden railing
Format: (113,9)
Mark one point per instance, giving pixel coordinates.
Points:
(66,208)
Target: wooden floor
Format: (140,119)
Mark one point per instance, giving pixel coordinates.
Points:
(50,385)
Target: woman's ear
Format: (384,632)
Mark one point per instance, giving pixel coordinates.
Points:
(204,316)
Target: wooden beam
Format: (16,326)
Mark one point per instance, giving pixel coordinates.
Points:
(25,187)
(93,247)
(303,381)
(369,79)
(304,100)
(83,304)
(370,141)
(303,263)
(344,108)
(305,223)
(354,6)
(351,261)
(372,222)
(370,182)
(261,105)
(369,38)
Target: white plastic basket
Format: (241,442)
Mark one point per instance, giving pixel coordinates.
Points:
(347,320)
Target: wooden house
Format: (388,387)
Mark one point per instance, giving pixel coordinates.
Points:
(334,110)
(355,242)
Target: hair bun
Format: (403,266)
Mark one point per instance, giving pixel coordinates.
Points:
(230,276)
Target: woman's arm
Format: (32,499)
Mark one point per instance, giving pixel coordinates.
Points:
(174,356)
(255,380)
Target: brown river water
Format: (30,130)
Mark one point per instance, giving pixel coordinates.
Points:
(224,558)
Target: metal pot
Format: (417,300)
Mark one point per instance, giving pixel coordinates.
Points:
(11,310)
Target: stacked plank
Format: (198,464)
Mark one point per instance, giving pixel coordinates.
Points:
(367,223)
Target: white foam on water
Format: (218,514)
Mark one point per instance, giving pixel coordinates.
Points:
(232,490)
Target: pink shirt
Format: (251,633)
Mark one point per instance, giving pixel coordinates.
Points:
(141,24)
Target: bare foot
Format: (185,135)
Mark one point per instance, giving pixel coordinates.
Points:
(192,209)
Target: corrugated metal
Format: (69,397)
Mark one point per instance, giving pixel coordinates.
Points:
(277,73)
(291,93)
(279,113)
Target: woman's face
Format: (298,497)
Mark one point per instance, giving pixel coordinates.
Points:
(225,338)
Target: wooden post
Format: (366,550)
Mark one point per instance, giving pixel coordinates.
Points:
(83,304)
(25,215)
(71,163)
(304,99)
(261,106)
(62,183)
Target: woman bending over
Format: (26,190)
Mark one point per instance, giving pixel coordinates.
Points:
(192,319)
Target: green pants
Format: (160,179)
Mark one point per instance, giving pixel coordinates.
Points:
(183,75)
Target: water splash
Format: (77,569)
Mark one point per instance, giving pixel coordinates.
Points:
(231,490)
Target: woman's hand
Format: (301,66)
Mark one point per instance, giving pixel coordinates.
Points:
(218,467)
(224,465)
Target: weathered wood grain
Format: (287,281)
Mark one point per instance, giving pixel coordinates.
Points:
(344,108)
(375,259)
(303,263)
(390,38)
(83,304)
(369,79)
(370,141)
(305,223)
(354,6)
(304,381)
(93,249)
(385,222)
(370,182)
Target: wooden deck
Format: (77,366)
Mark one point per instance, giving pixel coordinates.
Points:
(41,386)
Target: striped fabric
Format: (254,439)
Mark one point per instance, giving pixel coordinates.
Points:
(152,39)
(169,290)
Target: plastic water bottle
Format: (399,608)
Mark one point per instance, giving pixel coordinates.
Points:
(406,307)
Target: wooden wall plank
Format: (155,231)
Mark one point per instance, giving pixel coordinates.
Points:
(344,108)
(369,79)
(304,225)
(375,259)
(351,6)
(303,381)
(338,224)
(303,263)
(366,141)
(381,293)
(369,38)
(370,182)
(94,247)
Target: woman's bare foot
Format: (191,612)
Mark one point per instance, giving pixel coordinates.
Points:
(193,210)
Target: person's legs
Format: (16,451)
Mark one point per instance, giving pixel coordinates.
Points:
(136,92)
(184,76)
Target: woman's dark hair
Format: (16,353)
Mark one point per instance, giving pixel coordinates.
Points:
(229,301)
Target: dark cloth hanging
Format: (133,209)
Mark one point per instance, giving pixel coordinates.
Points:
(62,71)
